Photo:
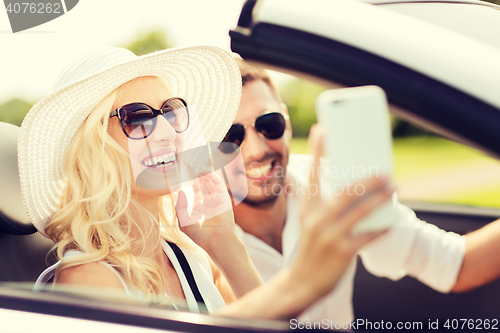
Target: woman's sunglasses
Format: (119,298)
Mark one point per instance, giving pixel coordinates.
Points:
(271,125)
(138,120)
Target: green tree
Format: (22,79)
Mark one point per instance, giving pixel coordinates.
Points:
(14,110)
(149,42)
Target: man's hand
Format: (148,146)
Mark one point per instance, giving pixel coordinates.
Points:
(327,243)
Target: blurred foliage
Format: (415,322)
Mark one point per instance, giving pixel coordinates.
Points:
(149,42)
(14,110)
(300,98)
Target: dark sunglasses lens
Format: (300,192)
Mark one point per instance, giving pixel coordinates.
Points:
(175,111)
(137,120)
(233,139)
(271,125)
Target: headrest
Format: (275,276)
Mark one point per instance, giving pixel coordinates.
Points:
(13,216)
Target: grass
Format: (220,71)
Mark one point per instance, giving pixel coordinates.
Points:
(438,170)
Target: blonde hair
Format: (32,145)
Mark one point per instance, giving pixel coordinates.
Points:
(95,213)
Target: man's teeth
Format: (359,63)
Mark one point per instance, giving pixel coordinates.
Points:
(160,161)
(259,172)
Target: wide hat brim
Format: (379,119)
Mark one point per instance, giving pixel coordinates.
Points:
(207,77)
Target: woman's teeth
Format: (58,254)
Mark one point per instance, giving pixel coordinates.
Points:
(259,172)
(160,161)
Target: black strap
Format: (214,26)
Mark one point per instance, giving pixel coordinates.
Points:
(188,273)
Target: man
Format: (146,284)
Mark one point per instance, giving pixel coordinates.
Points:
(268,217)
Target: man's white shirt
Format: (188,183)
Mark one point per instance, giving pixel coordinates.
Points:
(410,247)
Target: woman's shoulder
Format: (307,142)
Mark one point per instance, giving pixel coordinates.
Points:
(90,274)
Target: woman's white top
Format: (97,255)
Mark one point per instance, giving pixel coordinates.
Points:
(200,268)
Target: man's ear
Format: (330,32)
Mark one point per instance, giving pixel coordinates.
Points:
(284,108)
(288,122)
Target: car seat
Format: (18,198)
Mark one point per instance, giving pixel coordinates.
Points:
(23,250)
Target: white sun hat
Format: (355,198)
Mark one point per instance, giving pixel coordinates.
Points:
(206,77)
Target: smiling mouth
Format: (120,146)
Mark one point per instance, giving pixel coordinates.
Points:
(265,171)
(160,161)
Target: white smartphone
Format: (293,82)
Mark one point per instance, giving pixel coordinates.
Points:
(358,145)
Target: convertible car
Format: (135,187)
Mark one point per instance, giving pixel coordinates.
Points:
(438,64)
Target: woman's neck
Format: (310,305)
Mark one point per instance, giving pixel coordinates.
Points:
(146,230)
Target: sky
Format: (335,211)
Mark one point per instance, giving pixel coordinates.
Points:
(31,60)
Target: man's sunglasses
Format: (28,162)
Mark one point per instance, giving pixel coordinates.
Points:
(271,125)
(138,120)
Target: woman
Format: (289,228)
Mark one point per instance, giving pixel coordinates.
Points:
(96,160)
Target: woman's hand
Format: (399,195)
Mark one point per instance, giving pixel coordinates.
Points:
(211,226)
(211,221)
